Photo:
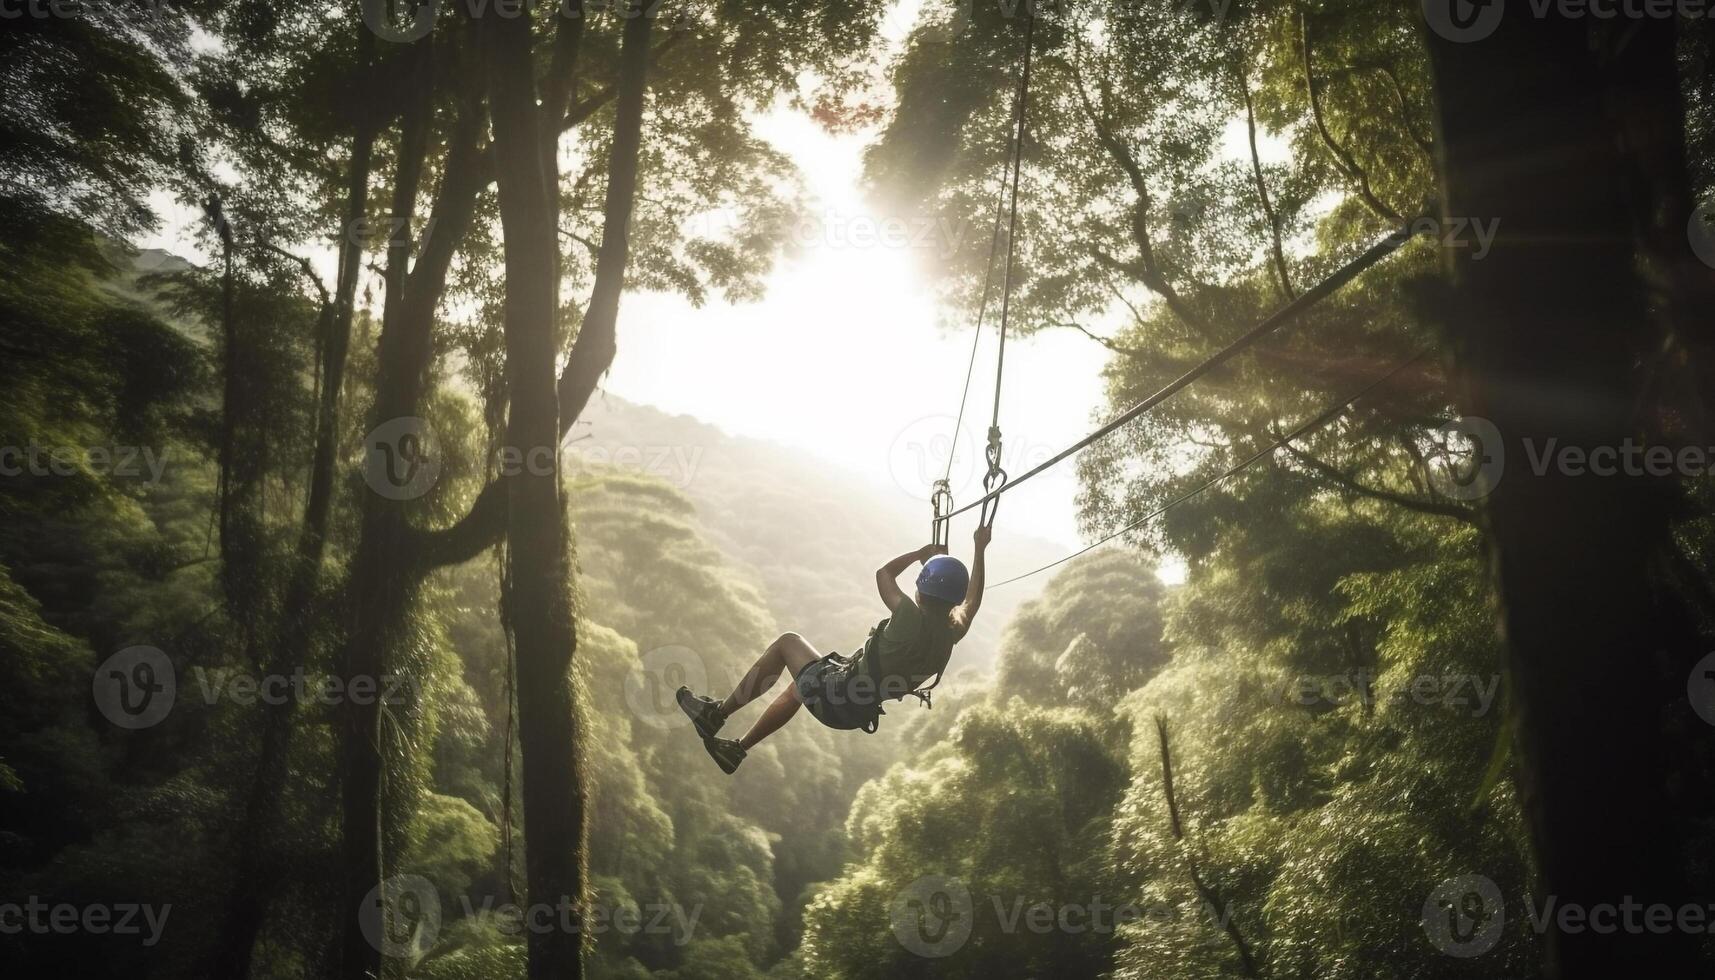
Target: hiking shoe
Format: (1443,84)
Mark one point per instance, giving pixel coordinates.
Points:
(705,712)
(726,753)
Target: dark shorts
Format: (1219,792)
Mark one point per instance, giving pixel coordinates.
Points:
(826,688)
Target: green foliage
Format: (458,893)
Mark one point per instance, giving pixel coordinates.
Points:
(1328,679)
(1094,635)
(1015,808)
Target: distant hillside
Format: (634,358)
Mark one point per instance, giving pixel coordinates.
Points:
(811,534)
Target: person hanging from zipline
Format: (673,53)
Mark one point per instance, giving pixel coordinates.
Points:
(906,653)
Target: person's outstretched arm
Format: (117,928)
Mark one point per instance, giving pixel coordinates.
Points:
(967,610)
(887,576)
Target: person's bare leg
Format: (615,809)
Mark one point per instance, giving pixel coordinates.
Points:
(788,652)
(776,714)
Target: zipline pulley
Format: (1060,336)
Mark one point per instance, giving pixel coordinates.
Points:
(941,499)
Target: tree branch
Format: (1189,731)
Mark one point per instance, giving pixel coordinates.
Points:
(593,247)
(1421,143)
(593,351)
(1284,279)
(1351,485)
(1108,342)
(1344,160)
(1145,270)
(1210,895)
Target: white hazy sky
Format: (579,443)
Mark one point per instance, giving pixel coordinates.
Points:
(848,356)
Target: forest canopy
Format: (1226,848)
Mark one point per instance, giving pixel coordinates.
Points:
(344,607)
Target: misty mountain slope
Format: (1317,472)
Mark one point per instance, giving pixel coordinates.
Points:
(810,533)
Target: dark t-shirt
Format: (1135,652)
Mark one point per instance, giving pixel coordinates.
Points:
(901,650)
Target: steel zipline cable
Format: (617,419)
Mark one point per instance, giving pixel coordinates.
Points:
(1274,321)
(1326,416)
(996,482)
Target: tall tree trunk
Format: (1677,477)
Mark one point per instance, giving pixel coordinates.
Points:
(1549,328)
(540,600)
(260,865)
(385,571)
(392,557)
(229,388)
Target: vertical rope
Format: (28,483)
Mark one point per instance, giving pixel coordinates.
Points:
(982,311)
(1012,220)
(941,498)
(996,476)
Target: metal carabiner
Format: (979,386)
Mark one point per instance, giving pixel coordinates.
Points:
(992,483)
(993,480)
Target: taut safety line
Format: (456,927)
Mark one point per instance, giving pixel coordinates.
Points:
(1346,273)
(1327,415)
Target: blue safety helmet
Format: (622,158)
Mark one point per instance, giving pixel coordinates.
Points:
(944,577)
